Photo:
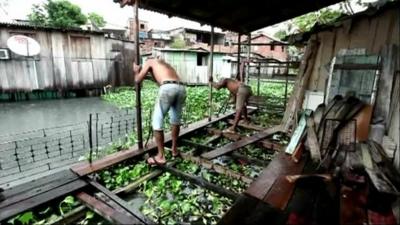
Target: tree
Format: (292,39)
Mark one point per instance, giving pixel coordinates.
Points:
(178,43)
(96,19)
(57,13)
(324,16)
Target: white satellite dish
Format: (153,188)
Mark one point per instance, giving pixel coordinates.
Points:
(23,45)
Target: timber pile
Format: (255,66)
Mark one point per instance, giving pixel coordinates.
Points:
(336,135)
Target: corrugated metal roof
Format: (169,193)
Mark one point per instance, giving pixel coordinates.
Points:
(47,28)
(235,15)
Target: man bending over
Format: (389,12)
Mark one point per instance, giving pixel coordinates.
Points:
(171,97)
(241,92)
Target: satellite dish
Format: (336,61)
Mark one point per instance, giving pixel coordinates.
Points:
(23,45)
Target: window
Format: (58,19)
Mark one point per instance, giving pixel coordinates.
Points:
(141,26)
(272,47)
(201,59)
(283,48)
(155,44)
(80,48)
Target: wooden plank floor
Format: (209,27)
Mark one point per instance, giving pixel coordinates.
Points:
(27,196)
(281,165)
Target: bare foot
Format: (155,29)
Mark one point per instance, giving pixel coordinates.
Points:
(155,160)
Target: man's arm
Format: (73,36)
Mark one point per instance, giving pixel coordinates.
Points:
(220,84)
(141,73)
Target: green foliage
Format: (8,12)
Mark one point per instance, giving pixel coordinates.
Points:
(38,15)
(96,19)
(173,201)
(121,175)
(57,13)
(67,204)
(178,43)
(323,16)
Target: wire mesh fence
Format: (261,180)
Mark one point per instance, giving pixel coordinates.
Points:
(29,154)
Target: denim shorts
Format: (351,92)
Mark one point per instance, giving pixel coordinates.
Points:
(171,97)
(242,96)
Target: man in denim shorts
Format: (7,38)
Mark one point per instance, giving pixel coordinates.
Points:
(171,97)
(241,92)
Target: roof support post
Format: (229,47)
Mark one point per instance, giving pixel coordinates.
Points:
(210,73)
(248,59)
(137,86)
(238,58)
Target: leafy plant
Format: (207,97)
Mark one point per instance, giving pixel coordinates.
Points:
(57,13)
(67,204)
(96,19)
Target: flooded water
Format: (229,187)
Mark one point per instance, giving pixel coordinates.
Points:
(18,117)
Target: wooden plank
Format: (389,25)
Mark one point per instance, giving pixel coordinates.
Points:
(354,66)
(217,168)
(104,210)
(230,136)
(312,141)
(87,168)
(254,161)
(117,200)
(280,165)
(241,143)
(271,145)
(201,182)
(37,200)
(44,185)
(212,139)
(282,190)
(248,125)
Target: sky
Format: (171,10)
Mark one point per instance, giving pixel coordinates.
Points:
(112,13)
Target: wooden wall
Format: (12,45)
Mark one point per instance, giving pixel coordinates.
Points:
(379,35)
(67,61)
(185,64)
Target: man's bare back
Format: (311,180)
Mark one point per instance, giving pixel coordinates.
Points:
(231,84)
(160,70)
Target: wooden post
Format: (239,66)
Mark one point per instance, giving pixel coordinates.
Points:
(248,59)
(238,59)
(258,79)
(137,86)
(286,84)
(210,73)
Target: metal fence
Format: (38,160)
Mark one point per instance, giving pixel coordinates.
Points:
(28,155)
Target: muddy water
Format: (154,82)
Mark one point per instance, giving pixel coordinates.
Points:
(31,115)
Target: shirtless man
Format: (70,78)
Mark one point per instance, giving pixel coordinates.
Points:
(171,97)
(241,92)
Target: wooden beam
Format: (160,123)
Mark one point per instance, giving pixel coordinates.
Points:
(201,182)
(243,142)
(32,202)
(104,210)
(109,160)
(117,200)
(230,136)
(312,141)
(133,186)
(248,126)
(258,162)
(271,145)
(217,168)
(280,165)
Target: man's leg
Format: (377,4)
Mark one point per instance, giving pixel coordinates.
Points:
(159,138)
(236,120)
(175,134)
(160,108)
(175,117)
